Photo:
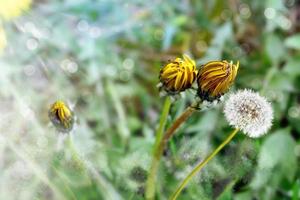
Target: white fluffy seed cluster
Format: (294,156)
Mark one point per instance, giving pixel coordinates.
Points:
(249,112)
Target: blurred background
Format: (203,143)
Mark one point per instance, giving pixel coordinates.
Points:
(103,57)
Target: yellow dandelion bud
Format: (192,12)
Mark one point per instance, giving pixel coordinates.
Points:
(215,78)
(13,8)
(178,75)
(61,116)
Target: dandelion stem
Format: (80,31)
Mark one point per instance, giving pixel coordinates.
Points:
(180,120)
(74,153)
(84,164)
(150,187)
(162,122)
(159,148)
(202,164)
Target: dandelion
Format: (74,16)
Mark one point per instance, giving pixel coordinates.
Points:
(13,8)
(178,75)
(215,78)
(61,116)
(250,112)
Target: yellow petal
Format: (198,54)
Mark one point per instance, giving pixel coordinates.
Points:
(189,60)
(178,81)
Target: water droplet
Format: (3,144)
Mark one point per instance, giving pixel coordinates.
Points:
(69,66)
(128,64)
(284,23)
(72,67)
(29,70)
(245,11)
(31,44)
(95,32)
(294,112)
(270,13)
(82,26)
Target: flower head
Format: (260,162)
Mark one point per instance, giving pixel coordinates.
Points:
(250,112)
(215,78)
(13,8)
(61,116)
(178,75)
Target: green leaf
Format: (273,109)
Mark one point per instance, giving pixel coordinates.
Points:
(276,159)
(281,83)
(274,42)
(293,42)
(292,66)
(222,35)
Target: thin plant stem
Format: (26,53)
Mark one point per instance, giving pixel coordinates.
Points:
(35,168)
(202,164)
(65,183)
(121,115)
(74,153)
(84,164)
(150,185)
(162,122)
(159,148)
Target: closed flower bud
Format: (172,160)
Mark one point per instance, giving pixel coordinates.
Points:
(61,116)
(178,75)
(215,78)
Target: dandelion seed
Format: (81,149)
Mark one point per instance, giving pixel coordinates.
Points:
(215,78)
(178,75)
(138,174)
(250,112)
(61,116)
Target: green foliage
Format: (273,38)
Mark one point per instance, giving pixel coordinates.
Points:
(104,57)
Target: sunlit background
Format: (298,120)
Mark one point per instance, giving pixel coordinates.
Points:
(103,57)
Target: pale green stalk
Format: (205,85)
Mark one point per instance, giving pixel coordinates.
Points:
(34,167)
(159,148)
(162,122)
(107,189)
(150,185)
(202,164)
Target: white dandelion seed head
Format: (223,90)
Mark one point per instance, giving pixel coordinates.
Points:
(249,112)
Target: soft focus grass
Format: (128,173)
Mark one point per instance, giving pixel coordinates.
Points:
(104,58)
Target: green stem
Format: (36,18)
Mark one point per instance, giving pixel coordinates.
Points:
(74,153)
(34,166)
(202,164)
(159,148)
(83,164)
(116,102)
(162,122)
(150,186)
